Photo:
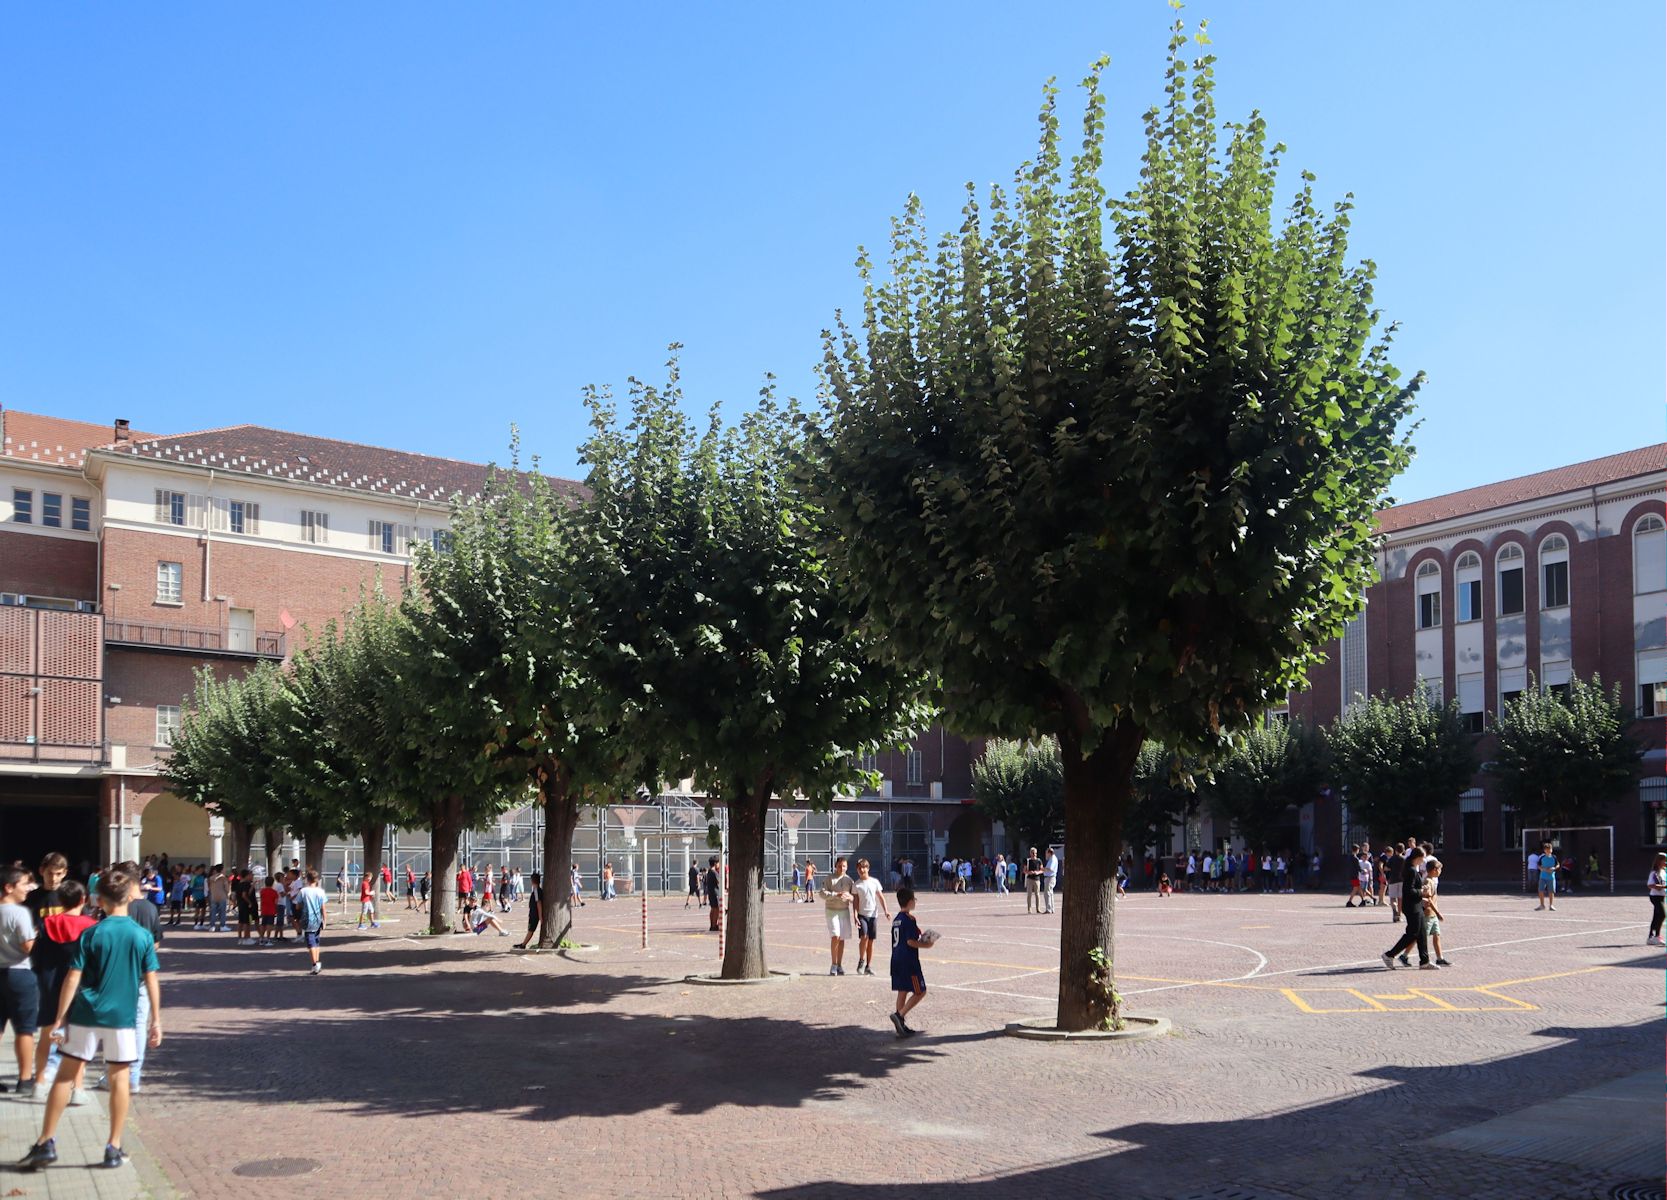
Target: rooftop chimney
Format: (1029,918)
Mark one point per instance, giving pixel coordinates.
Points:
(122,434)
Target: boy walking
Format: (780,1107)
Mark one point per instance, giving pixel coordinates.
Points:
(310,907)
(871,904)
(907,980)
(367,903)
(98,1011)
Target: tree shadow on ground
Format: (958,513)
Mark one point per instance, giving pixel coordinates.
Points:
(1372,1143)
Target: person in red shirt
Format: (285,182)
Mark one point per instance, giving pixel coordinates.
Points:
(367,901)
(270,930)
(465,885)
(387,882)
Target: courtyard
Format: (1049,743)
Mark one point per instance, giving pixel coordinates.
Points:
(1297,1066)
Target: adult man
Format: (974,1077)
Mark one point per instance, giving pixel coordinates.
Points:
(1412,904)
(837,897)
(714,893)
(1033,882)
(1050,877)
(871,905)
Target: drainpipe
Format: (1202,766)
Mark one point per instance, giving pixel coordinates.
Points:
(208,538)
(1597,569)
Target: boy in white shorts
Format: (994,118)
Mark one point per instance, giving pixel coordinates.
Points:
(837,896)
(98,1010)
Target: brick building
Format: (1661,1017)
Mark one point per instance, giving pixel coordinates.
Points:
(128,561)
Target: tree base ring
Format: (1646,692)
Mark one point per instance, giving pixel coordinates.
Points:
(719,981)
(1135,1029)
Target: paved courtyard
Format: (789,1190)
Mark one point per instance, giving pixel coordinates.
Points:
(1298,1066)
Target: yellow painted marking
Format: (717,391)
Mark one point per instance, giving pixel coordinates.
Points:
(1255,926)
(1486,997)
(1363,996)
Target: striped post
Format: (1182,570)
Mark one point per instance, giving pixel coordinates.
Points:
(645,916)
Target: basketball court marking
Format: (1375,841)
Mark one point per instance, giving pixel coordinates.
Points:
(1424,999)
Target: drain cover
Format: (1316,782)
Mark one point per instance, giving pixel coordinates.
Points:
(276,1168)
(1647,1189)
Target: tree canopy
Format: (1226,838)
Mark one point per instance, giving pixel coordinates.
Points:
(1275,769)
(1022,785)
(1562,759)
(1401,761)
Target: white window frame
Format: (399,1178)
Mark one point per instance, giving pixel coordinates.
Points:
(167,723)
(23,506)
(81,514)
(315,526)
(1472,699)
(170,583)
(1427,582)
(913,767)
(1467,581)
(52,510)
(172,508)
(1649,526)
(1554,550)
(1651,790)
(1510,558)
(1652,674)
(1471,803)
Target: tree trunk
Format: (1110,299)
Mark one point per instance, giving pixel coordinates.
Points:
(1098,790)
(744,922)
(312,849)
(445,824)
(561,814)
(371,833)
(243,836)
(274,849)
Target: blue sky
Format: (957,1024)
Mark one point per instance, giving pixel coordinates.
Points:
(414,224)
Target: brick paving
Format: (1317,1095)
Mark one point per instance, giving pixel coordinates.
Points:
(1299,1067)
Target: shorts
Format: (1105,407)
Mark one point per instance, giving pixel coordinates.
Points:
(1395,891)
(20,1001)
(839,924)
(269,920)
(50,983)
(84,1041)
(908,981)
(310,937)
(867,927)
(1548,883)
(1432,925)
(367,908)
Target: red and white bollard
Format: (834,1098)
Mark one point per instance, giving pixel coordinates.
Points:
(645,918)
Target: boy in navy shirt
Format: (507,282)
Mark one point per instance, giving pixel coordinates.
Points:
(907,980)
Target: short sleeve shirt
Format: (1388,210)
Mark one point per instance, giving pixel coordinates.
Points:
(868,896)
(113,956)
(905,959)
(1548,866)
(837,889)
(17,926)
(312,901)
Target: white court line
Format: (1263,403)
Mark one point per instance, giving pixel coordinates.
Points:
(954,987)
(1010,978)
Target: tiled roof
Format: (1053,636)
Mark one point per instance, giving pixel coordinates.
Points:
(1592,473)
(52,440)
(275,454)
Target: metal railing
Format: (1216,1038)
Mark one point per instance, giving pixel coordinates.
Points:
(194,639)
(54,753)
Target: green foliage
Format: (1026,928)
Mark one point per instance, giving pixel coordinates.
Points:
(1401,761)
(1165,795)
(1022,784)
(1275,769)
(223,756)
(1562,759)
(1105,1000)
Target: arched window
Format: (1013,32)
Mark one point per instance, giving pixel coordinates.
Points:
(1508,566)
(1554,572)
(1428,586)
(1467,587)
(1649,555)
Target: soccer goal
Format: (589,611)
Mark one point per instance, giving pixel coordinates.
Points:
(1562,844)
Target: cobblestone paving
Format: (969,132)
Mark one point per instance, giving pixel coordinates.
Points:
(1299,1067)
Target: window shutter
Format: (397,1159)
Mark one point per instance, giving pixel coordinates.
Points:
(1652,666)
(402,539)
(375,536)
(1513,679)
(162,513)
(196,512)
(1554,674)
(1470,693)
(322,522)
(251,518)
(219,513)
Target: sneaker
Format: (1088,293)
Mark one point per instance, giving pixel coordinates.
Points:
(908,1030)
(868,970)
(360,928)
(317,967)
(1388,961)
(25,1089)
(376,924)
(41,1155)
(833,970)
(114,1156)
(897,1024)
(1406,959)
(1442,962)
(1429,966)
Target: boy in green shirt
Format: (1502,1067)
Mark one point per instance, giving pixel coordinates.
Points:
(99,1010)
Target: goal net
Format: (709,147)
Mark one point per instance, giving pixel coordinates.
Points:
(1573,845)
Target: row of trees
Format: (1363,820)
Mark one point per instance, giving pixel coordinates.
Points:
(1561,756)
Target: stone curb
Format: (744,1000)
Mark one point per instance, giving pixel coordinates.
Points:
(715,981)
(1041,1029)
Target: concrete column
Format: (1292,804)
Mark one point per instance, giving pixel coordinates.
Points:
(217,840)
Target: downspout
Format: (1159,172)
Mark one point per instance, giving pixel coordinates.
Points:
(1597,571)
(208,538)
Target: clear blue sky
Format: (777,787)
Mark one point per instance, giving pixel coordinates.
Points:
(413,224)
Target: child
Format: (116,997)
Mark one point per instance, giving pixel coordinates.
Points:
(1432,922)
(367,902)
(54,947)
(1164,886)
(906,945)
(798,882)
(269,927)
(1547,868)
(20,998)
(1656,885)
(310,907)
(98,1011)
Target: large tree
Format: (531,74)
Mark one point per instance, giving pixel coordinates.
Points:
(1562,759)
(1113,491)
(1022,785)
(741,663)
(1401,762)
(223,753)
(1276,769)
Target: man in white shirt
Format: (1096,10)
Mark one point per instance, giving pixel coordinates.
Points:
(1050,875)
(871,905)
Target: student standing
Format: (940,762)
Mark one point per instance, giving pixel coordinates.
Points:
(269,927)
(98,1012)
(1548,878)
(367,903)
(1033,882)
(907,979)
(20,993)
(836,901)
(54,946)
(871,906)
(1050,877)
(243,896)
(578,886)
(219,897)
(535,909)
(713,883)
(424,886)
(810,881)
(310,906)
(694,885)
(1656,885)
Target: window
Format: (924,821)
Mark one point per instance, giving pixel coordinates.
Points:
(1510,580)
(1652,796)
(23,506)
(315,526)
(1652,683)
(390,538)
(52,509)
(234,516)
(1554,572)
(1432,691)
(911,767)
(170,507)
(1429,596)
(1468,572)
(1470,702)
(1354,660)
(1554,676)
(1278,716)
(1513,681)
(442,541)
(1510,827)
(80,514)
(1471,820)
(869,761)
(167,723)
(170,583)
(1649,556)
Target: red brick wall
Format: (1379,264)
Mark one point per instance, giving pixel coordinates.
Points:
(42,565)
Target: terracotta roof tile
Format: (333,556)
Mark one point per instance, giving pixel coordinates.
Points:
(53,440)
(276,454)
(1609,469)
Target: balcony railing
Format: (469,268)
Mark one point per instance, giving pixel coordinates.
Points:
(53,754)
(194,639)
